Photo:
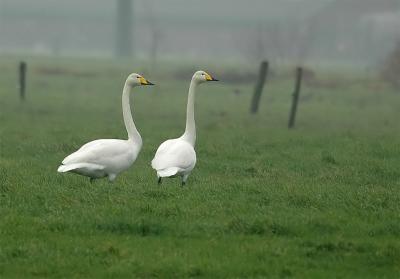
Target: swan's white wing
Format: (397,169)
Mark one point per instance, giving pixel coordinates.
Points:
(104,152)
(93,143)
(175,154)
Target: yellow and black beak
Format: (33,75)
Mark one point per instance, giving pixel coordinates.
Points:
(210,78)
(144,81)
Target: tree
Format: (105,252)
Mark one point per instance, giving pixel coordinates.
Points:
(391,69)
(124,28)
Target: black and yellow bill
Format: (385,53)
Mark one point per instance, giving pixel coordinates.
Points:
(144,81)
(210,78)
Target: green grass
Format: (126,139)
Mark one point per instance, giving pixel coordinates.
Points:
(320,201)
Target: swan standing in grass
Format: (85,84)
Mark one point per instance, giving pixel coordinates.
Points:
(108,157)
(177,157)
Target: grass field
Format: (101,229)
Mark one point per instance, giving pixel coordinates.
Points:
(320,201)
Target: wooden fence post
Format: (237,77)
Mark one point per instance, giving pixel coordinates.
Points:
(296,95)
(263,73)
(22,80)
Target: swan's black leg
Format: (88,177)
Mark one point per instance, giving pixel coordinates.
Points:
(91,180)
(184,178)
(159,180)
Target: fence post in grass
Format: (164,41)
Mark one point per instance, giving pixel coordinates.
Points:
(262,76)
(22,80)
(296,94)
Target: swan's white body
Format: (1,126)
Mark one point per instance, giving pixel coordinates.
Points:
(108,157)
(174,157)
(101,158)
(177,157)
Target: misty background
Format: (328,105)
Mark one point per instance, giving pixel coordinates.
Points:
(323,32)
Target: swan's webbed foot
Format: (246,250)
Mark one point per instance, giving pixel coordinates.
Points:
(92,180)
(183,183)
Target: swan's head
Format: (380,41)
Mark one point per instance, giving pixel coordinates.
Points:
(137,80)
(201,76)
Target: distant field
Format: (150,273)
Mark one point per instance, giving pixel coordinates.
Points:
(320,201)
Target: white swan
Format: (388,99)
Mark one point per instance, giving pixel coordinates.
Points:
(109,157)
(177,157)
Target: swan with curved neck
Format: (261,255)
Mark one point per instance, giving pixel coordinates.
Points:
(108,157)
(177,157)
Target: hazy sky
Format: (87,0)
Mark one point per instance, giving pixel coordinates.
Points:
(206,29)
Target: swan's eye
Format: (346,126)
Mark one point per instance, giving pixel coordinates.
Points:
(203,74)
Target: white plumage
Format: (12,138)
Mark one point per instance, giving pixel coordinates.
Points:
(174,157)
(108,157)
(177,157)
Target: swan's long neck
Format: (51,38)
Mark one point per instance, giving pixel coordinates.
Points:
(190,132)
(133,133)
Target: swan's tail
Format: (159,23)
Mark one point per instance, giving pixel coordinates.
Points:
(65,168)
(167,172)
(70,167)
